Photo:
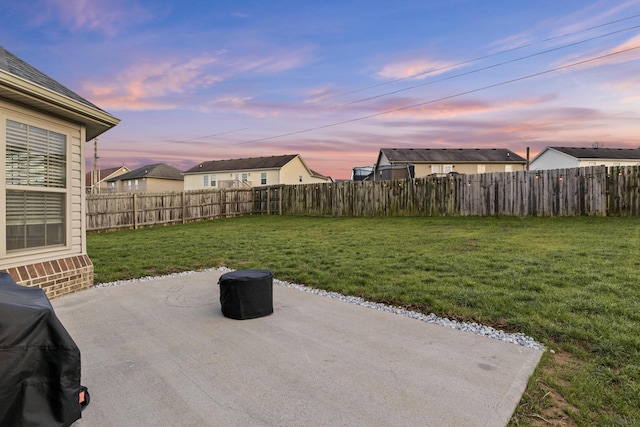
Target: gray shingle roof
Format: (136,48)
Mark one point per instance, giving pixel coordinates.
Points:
(600,153)
(158,170)
(453,155)
(16,66)
(272,162)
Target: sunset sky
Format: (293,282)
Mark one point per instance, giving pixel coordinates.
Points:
(336,80)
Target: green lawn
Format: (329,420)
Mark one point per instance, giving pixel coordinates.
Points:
(571,283)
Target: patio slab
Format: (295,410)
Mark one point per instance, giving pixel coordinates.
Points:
(161,353)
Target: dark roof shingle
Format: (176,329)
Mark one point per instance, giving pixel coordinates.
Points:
(457,155)
(272,162)
(158,170)
(600,153)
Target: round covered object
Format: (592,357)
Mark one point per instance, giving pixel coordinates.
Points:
(246,294)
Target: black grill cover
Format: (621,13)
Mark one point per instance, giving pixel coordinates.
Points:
(246,294)
(39,362)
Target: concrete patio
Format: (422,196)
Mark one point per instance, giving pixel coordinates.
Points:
(160,353)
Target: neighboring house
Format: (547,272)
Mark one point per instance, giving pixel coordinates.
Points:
(577,157)
(154,178)
(96,181)
(251,172)
(43,130)
(401,163)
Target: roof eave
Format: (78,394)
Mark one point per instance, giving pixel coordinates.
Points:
(96,121)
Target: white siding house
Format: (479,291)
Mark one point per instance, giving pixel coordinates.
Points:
(578,157)
(43,130)
(251,172)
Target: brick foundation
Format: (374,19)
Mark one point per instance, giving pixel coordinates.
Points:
(57,277)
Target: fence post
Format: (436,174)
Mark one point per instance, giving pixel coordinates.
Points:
(135,211)
(280,200)
(184,208)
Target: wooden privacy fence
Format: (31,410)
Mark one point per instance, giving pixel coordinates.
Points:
(135,210)
(594,191)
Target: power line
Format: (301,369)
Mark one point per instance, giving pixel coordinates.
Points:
(435,70)
(408,107)
(208,136)
(466,73)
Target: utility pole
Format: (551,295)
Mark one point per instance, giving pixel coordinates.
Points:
(95,181)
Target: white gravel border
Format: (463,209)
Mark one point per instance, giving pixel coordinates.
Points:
(487,331)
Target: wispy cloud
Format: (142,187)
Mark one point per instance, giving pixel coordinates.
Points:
(104,16)
(146,85)
(418,68)
(454,107)
(624,52)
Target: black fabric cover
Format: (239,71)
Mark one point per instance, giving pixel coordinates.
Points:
(39,362)
(246,294)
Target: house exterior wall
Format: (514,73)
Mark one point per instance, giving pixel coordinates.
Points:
(288,174)
(56,269)
(157,185)
(103,185)
(222,178)
(425,169)
(295,172)
(607,162)
(147,185)
(552,159)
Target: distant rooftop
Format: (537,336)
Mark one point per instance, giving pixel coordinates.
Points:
(437,155)
(600,153)
(157,170)
(271,162)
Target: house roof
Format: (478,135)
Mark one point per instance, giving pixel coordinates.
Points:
(25,84)
(599,153)
(158,170)
(16,66)
(451,155)
(272,162)
(103,174)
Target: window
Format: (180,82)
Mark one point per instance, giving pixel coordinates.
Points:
(135,184)
(205,180)
(263,178)
(36,187)
(213,180)
(481,168)
(447,168)
(300,178)
(508,168)
(245,177)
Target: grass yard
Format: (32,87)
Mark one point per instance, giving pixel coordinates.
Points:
(571,283)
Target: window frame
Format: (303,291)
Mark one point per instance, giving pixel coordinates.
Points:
(65,190)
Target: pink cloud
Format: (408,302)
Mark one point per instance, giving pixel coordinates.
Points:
(452,108)
(147,84)
(420,68)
